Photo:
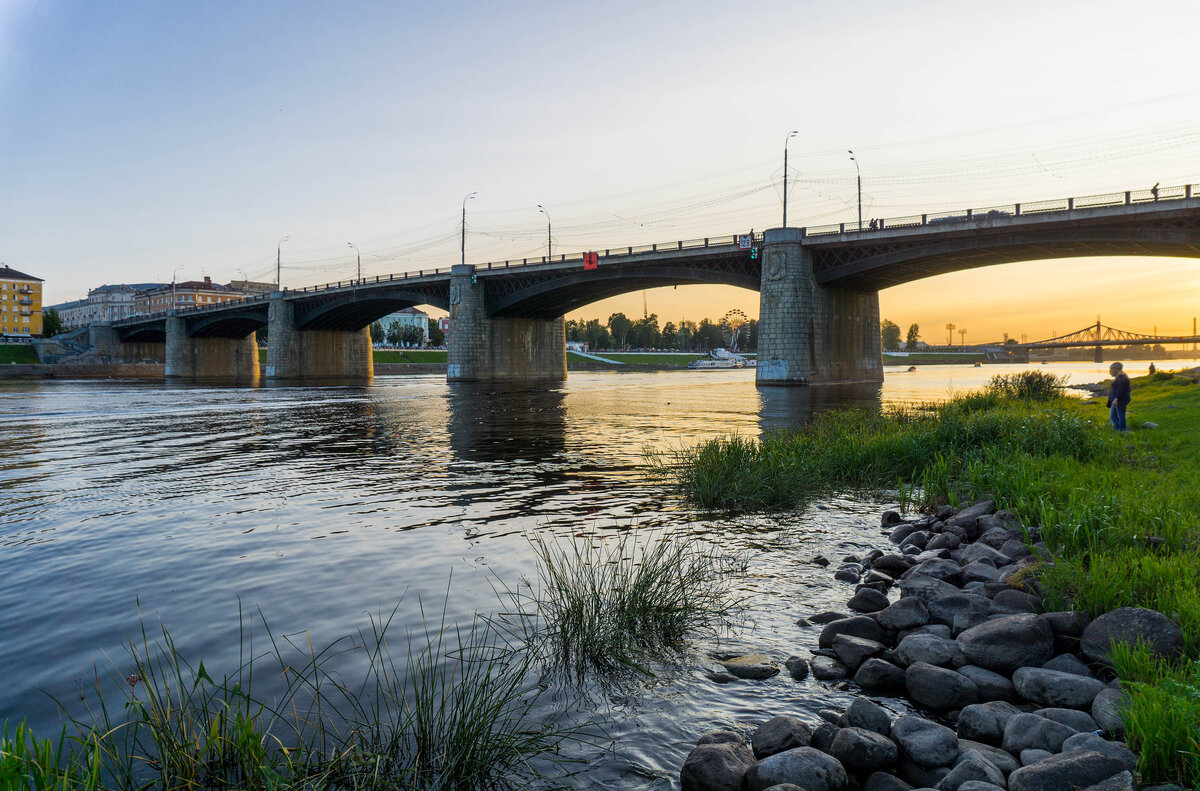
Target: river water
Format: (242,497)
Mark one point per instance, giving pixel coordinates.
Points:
(319,507)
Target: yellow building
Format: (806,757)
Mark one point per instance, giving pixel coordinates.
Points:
(188,294)
(20,303)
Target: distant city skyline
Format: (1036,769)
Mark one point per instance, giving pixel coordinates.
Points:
(144,141)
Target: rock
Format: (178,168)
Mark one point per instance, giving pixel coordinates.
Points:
(932,554)
(996,756)
(971,766)
(820,560)
(1068,626)
(1029,730)
(1098,744)
(985,721)
(944,541)
(716,767)
(929,649)
(1069,770)
(1132,625)
(1015,548)
(890,518)
(938,687)
(868,600)
(853,651)
(925,743)
(810,769)
(905,614)
(721,678)
(826,669)
(797,667)
(861,750)
(1032,756)
(874,576)
(995,534)
(778,734)
(1149,424)
(858,626)
(751,666)
(979,571)
(881,781)
(892,564)
(944,512)
(978,509)
(862,713)
(823,736)
(829,616)
(1123,781)
(1079,720)
(785,787)
(719,737)
(877,675)
(925,588)
(1011,601)
(919,539)
(832,716)
(939,569)
(1106,710)
(936,629)
(979,785)
(847,575)
(982,552)
(1054,688)
(967,620)
(901,532)
(1068,663)
(944,609)
(991,685)
(1009,642)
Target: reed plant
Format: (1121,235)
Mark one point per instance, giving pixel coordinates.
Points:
(1162,715)
(31,764)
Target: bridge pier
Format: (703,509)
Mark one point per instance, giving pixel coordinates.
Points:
(1099,354)
(295,354)
(483,348)
(209,359)
(810,334)
(107,345)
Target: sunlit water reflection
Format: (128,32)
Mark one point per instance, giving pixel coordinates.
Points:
(322,506)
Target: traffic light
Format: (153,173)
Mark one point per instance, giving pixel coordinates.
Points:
(753,253)
(474,280)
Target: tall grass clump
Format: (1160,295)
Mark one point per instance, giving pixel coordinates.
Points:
(31,764)
(616,605)
(1027,386)
(443,707)
(1162,717)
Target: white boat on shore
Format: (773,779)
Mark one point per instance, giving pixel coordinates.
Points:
(720,360)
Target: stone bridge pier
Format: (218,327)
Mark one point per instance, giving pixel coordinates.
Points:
(209,359)
(295,353)
(108,346)
(811,334)
(482,347)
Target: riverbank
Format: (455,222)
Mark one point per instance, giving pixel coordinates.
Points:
(1114,513)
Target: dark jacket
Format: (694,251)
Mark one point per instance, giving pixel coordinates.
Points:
(1120,391)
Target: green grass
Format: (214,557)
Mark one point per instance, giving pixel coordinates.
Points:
(19,353)
(917,358)
(1118,510)
(393,356)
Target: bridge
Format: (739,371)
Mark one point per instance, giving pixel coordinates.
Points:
(819,293)
(1099,336)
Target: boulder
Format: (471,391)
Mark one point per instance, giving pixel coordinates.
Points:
(1068,626)
(823,736)
(778,734)
(918,539)
(892,564)
(907,613)
(853,651)
(982,552)
(924,742)
(930,649)
(1008,642)
(848,574)
(1090,741)
(1015,548)
(826,669)
(925,588)
(1079,720)
(1107,708)
(751,666)
(979,785)
(967,620)
(810,769)
(978,509)
(716,767)
(890,518)
(868,600)
(720,737)
(1132,625)
(1068,663)
(1068,770)
(944,609)
(939,569)
(881,781)
(901,532)
(1026,731)
(923,777)
(876,675)
(938,687)
(979,571)
(797,667)
(828,616)
(1032,756)
(999,758)
(861,750)
(1123,781)
(971,766)
(862,713)
(1011,600)
(858,626)
(1055,688)
(996,535)
(938,629)
(948,541)
(985,721)
(991,685)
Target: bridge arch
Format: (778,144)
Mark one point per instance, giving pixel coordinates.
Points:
(352,312)
(238,324)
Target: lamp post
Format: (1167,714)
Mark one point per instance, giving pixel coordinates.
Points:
(279,263)
(463,240)
(549,247)
(173,274)
(785,173)
(358,256)
(859,171)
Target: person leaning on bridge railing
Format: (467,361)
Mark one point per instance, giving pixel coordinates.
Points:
(1118,396)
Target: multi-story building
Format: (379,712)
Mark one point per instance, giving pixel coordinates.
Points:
(409,317)
(103,304)
(20,303)
(188,294)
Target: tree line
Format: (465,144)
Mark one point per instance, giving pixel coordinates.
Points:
(621,332)
(397,334)
(889,332)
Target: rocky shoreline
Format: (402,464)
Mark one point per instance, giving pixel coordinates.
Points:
(1017,698)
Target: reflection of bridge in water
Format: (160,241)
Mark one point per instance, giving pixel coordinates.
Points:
(818,310)
(1099,336)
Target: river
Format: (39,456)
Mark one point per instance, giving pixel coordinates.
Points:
(322,506)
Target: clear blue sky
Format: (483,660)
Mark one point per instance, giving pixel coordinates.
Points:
(140,139)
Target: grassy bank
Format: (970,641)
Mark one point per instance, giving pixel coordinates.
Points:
(393,355)
(19,353)
(932,359)
(1119,510)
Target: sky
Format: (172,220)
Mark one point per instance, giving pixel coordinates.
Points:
(144,141)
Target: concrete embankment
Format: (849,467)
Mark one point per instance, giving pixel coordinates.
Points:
(84,371)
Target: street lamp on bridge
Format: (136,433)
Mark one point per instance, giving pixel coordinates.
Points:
(357,256)
(279,263)
(173,274)
(859,172)
(463,238)
(549,249)
(785,173)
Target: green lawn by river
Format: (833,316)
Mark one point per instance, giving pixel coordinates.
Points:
(19,353)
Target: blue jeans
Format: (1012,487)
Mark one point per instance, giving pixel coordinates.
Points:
(1116,416)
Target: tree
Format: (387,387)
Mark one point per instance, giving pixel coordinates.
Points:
(377,333)
(619,325)
(645,334)
(751,333)
(394,332)
(890,332)
(574,329)
(596,335)
(669,335)
(51,322)
(709,335)
(436,336)
(914,335)
(412,336)
(686,334)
